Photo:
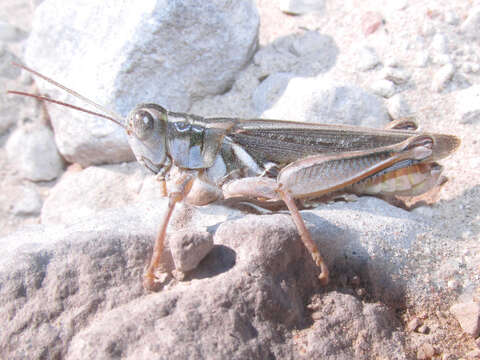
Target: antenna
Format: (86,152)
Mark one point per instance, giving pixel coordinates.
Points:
(116,118)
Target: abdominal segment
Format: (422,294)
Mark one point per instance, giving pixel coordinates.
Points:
(411,180)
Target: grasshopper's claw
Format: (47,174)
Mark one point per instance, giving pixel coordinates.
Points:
(149,282)
(324,273)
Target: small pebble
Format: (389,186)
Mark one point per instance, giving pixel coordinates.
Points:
(384,88)
(421,59)
(414,324)
(439,44)
(423,329)
(188,248)
(28,202)
(32,150)
(451,18)
(396,75)
(425,351)
(371,21)
(468,315)
(397,107)
(366,58)
(442,77)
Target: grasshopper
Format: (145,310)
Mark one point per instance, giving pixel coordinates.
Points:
(201,160)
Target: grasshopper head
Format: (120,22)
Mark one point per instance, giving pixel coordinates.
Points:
(146,128)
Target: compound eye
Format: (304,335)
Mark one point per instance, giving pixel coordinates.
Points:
(143,124)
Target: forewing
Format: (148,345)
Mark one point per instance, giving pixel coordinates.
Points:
(283,142)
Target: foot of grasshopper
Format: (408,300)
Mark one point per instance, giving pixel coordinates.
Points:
(182,187)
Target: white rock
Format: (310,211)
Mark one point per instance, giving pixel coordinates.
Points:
(421,59)
(28,202)
(365,58)
(439,43)
(442,76)
(472,23)
(324,101)
(467,104)
(166,54)
(31,149)
(84,193)
(451,17)
(384,88)
(299,7)
(397,107)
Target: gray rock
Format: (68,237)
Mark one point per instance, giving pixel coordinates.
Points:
(467,104)
(28,202)
(384,88)
(468,315)
(188,248)
(324,101)
(167,54)
(31,149)
(299,7)
(442,77)
(472,23)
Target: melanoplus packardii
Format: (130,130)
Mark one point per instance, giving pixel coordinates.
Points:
(207,159)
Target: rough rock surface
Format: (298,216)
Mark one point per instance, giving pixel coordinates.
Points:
(75,291)
(158,54)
